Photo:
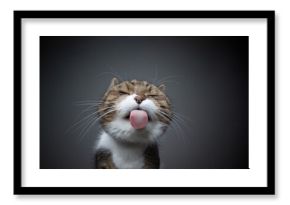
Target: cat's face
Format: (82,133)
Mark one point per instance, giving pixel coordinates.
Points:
(135,111)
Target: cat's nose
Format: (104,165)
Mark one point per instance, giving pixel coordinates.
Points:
(139,99)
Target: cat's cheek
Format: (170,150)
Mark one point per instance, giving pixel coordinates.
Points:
(125,105)
(149,106)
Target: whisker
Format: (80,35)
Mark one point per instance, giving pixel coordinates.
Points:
(88,103)
(165,114)
(91,108)
(155,75)
(80,121)
(92,103)
(181,116)
(85,129)
(106,108)
(168,81)
(176,129)
(182,134)
(91,122)
(166,78)
(175,124)
(88,109)
(169,77)
(94,113)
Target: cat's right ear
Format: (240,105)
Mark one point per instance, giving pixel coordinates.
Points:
(114,82)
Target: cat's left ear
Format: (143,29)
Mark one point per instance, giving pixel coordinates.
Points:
(162,87)
(114,82)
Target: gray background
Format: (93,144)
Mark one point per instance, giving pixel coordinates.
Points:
(206,79)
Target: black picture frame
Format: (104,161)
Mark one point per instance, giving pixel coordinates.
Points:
(269,189)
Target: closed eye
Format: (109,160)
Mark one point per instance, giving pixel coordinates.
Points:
(157,97)
(121,92)
(153,95)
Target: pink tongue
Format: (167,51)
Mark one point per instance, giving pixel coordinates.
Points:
(138,119)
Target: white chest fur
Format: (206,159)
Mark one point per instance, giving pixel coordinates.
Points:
(124,156)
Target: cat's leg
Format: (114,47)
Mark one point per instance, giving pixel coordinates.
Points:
(151,157)
(103,159)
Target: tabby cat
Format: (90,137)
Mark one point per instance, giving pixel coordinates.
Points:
(133,114)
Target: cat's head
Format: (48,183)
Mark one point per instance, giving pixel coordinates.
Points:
(135,111)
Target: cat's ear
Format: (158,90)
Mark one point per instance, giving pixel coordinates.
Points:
(162,87)
(114,82)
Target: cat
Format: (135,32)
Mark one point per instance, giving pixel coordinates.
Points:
(133,115)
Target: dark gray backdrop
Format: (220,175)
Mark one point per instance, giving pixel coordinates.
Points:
(207,82)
